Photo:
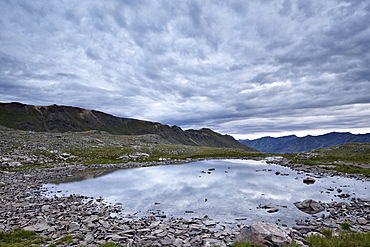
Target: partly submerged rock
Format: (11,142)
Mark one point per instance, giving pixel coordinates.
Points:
(309,206)
(309,180)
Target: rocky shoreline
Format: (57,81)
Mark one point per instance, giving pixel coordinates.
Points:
(356,212)
(92,221)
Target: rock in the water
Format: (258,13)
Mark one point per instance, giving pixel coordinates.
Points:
(309,206)
(309,180)
(266,233)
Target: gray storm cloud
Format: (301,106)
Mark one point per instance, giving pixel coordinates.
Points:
(238,67)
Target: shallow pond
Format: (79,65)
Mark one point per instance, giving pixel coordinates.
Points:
(228,191)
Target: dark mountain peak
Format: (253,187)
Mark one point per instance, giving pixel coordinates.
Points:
(274,138)
(286,137)
(55,118)
(294,144)
(334,133)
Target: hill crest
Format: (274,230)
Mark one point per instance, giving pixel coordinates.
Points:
(59,119)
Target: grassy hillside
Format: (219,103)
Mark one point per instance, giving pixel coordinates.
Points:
(61,119)
(26,149)
(348,152)
(349,158)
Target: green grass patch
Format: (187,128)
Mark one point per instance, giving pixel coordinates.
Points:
(346,225)
(111,154)
(349,152)
(67,239)
(109,244)
(344,239)
(20,238)
(245,244)
(355,153)
(3,185)
(350,169)
(99,147)
(250,244)
(25,167)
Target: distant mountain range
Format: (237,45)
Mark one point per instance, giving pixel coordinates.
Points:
(55,118)
(294,144)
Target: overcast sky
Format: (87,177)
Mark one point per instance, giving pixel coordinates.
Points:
(245,68)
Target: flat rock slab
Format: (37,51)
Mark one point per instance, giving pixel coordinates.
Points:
(38,227)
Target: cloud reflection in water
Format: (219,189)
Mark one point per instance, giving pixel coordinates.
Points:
(236,188)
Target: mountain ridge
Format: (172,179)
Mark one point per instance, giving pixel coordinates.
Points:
(59,119)
(295,144)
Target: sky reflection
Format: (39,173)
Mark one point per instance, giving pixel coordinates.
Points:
(235,189)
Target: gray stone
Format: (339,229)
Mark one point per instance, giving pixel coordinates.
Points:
(363,200)
(309,206)
(177,242)
(104,223)
(304,229)
(166,242)
(45,207)
(154,224)
(38,227)
(301,244)
(143,230)
(362,221)
(265,233)
(214,242)
(51,229)
(341,205)
(268,206)
(115,237)
(315,234)
(162,234)
(130,232)
(209,223)
(74,226)
(93,218)
(89,238)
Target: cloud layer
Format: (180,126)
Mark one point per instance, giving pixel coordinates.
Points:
(238,67)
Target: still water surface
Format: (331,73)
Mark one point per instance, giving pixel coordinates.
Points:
(228,191)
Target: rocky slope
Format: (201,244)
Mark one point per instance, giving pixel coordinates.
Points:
(294,144)
(60,119)
(21,149)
